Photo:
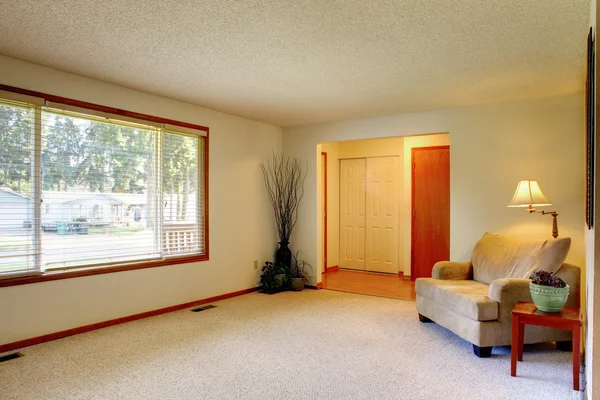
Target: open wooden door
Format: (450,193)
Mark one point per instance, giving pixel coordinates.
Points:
(430,228)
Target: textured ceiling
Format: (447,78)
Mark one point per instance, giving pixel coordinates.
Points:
(306,61)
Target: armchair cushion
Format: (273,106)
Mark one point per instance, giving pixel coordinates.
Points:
(496,257)
(451,270)
(464,297)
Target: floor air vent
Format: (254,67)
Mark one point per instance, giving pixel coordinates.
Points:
(9,357)
(208,307)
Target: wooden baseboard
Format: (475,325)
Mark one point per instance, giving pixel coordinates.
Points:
(317,287)
(99,325)
(331,269)
(403,277)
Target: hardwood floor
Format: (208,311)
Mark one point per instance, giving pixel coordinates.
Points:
(370,283)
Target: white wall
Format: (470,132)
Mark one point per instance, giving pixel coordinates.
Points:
(492,147)
(372,148)
(410,143)
(241,221)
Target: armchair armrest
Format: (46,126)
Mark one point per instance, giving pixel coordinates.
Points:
(452,270)
(510,289)
(508,292)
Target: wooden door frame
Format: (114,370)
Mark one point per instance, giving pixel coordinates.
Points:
(324,158)
(412,201)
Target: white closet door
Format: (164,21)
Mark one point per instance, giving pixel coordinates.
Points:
(382,201)
(352,213)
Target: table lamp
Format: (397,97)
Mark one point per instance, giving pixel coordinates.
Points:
(529,194)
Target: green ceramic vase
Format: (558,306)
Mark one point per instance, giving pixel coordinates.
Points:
(548,298)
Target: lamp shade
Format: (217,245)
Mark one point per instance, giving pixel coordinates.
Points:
(528,193)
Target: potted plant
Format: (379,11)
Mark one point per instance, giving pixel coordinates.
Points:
(299,273)
(549,293)
(273,277)
(284,181)
(281,276)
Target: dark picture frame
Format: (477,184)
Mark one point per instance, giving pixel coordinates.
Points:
(590,100)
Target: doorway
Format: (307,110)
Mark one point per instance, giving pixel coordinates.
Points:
(430,217)
(354,233)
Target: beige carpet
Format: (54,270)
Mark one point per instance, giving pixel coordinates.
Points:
(310,345)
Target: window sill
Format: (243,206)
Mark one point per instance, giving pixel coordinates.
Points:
(89,271)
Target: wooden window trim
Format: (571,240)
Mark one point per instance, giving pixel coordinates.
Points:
(98,107)
(130,266)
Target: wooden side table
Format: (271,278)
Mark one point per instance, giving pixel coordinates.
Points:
(527,313)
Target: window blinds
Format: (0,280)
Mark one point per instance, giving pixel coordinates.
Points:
(183,193)
(18,243)
(97,181)
(110,189)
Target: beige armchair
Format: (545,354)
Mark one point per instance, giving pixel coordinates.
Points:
(475,299)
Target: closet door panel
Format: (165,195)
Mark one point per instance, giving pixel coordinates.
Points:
(352,213)
(382,208)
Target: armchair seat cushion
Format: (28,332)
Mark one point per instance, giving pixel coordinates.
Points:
(465,297)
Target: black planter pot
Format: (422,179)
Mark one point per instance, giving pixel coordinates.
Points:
(283,256)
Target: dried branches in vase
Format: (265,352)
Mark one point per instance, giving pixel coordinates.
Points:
(284,181)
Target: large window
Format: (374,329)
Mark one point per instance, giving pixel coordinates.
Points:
(80,187)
